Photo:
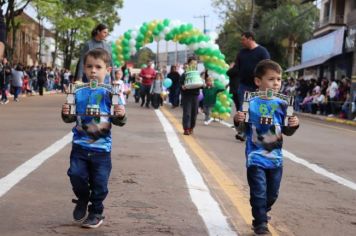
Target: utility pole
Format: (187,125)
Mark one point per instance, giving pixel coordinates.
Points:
(204,20)
(157,55)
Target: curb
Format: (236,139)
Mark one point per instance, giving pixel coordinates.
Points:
(327,119)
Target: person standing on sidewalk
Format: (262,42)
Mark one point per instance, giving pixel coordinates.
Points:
(17,78)
(5,76)
(90,159)
(245,63)
(42,78)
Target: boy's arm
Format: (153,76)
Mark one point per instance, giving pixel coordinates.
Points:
(293,125)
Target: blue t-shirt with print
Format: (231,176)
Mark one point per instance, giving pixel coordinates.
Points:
(93,133)
(264,141)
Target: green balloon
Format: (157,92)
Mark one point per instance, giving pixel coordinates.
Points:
(125,42)
(143,29)
(127,57)
(166,22)
(127,35)
(126,50)
(222,110)
(182,28)
(160,27)
(140,38)
(189,27)
(156,32)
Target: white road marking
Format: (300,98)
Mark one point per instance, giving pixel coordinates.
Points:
(317,169)
(10,180)
(208,208)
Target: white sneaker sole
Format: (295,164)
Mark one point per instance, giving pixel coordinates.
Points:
(92,226)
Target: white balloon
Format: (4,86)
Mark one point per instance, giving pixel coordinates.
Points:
(133,34)
(215,46)
(132,42)
(133,51)
(195,46)
(166,30)
(213,35)
(162,35)
(191,46)
(202,44)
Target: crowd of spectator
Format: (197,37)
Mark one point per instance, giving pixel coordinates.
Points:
(18,79)
(323,97)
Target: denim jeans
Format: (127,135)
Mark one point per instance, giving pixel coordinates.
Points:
(89,175)
(17,91)
(207,110)
(241,93)
(264,187)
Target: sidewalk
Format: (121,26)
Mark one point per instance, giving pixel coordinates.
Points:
(327,119)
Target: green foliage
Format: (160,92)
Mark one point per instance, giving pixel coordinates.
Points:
(142,56)
(276,21)
(75,19)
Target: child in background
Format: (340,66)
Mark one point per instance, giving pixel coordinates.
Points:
(264,159)
(209,99)
(118,81)
(156,90)
(90,158)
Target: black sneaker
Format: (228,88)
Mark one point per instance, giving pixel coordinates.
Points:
(261,229)
(80,210)
(93,221)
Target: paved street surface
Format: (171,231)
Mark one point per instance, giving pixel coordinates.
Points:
(154,189)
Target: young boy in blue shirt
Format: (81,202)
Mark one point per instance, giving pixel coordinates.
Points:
(90,158)
(264,142)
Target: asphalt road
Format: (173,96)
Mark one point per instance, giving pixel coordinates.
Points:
(149,194)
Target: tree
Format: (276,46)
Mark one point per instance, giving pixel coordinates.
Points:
(142,56)
(236,15)
(73,21)
(273,21)
(12,9)
(289,25)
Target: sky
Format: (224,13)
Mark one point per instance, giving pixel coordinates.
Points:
(136,12)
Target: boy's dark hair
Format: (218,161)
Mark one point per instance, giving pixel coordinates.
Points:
(98,53)
(249,34)
(265,65)
(97,29)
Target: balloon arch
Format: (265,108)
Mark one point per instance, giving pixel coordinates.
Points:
(203,45)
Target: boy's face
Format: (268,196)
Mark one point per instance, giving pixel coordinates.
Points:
(96,68)
(270,80)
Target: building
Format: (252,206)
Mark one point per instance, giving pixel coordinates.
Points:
(27,43)
(331,52)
